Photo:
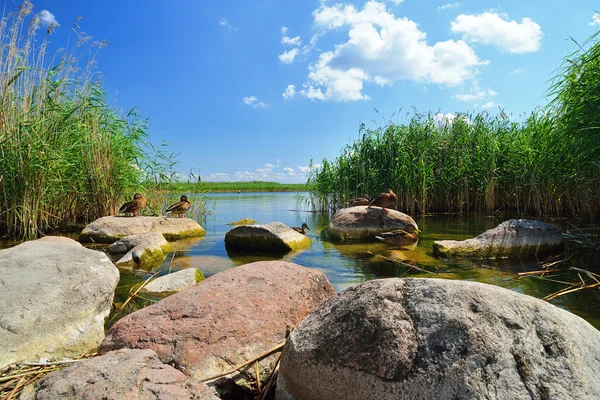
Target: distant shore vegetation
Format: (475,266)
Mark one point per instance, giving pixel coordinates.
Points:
(249,186)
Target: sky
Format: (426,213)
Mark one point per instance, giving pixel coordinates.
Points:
(254,90)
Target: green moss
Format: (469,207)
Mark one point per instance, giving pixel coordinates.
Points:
(86,237)
(243,221)
(185,234)
(495,251)
(199,276)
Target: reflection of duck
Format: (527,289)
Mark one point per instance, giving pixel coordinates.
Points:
(301,230)
(134,206)
(180,207)
(399,237)
(360,201)
(384,199)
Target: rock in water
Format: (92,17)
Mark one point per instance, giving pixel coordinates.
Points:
(118,375)
(439,339)
(143,249)
(173,282)
(364,223)
(512,238)
(54,297)
(275,237)
(110,229)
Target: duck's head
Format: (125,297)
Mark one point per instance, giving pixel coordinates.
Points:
(304,226)
(137,196)
(183,198)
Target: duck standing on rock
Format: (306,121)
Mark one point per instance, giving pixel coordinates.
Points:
(383,199)
(180,207)
(134,206)
(301,230)
(399,237)
(360,201)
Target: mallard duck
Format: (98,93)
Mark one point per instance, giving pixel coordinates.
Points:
(399,237)
(383,199)
(134,206)
(180,207)
(301,230)
(360,201)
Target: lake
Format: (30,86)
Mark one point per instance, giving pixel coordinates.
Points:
(349,264)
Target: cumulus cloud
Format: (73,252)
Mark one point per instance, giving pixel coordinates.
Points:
(496,29)
(396,2)
(47,18)
(287,57)
(253,101)
(382,49)
(477,95)
(269,165)
(595,19)
(448,6)
(491,104)
(269,172)
(289,92)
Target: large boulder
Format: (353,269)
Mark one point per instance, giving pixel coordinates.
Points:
(118,375)
(512,238)
(226,320)
(439,339)
(143,249)
(362,222)
(54,297)
(173,282)
(275,237)
(110,229)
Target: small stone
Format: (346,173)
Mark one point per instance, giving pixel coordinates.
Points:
(173,282)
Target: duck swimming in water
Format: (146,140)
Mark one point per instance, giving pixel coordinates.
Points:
(301,230)
(134,206)
(180,207)
(399,237)
(384,199)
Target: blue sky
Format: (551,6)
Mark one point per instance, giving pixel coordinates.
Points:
(248,90)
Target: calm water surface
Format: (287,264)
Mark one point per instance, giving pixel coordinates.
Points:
(349,264)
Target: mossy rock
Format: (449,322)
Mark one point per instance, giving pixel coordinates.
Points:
(273,238)
(243,221)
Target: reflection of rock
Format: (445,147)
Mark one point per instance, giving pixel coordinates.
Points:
(275,237)
(145,249)
(173,282)
(513,238)
(110,229)
(54,297)
(439,339)
(360,223)
(227,319)
(121,374)
(209,265)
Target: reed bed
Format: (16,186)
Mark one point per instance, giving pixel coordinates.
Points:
(251,186)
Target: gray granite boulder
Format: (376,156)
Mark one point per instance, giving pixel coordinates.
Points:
(512,238)
(439,339)
(364,223)
(54,297)
(173,282)
(143,249)
(118,375)
(275,237)
(111,229)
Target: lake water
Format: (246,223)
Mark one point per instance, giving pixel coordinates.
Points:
(349,264)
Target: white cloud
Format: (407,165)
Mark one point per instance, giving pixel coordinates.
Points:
(253,101)
(518,71)
(496,29)
(595,19)
(269,165)
(268,173)
(284,30)
(382,49)
(303,169)
(448,6)
(47,18)
(287,57)
(476,95)
(491,104)
(295,41)
(289,92)
(289,171)
(396,2)
(225,23)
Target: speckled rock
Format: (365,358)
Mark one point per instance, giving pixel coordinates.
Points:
(228,319)
(54,297)
(424,338)
(111,229)
(118,375)
(173,282)
(512,238)
(143,249)
(275,237)
(364,223)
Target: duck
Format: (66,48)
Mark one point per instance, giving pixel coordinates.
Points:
(301,230)
(383,199)
(399,237)
(180,207)
(134,206)
(360,201)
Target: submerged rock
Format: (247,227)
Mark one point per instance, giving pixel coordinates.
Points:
(54,297)
(143,249)
(512,238)
(275,237)
(173,282)
(230,318)
(118,375)
(439,339)
(110,229)
(362,222)
(243,221)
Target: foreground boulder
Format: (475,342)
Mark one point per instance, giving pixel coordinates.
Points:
(54,297)
(110,229)
(512,238)
(228,319)
(173,282)
(275,237)
(118,375)
(143,249)
(362,223)
(439,339)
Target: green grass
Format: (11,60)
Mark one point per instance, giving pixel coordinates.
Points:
(254,186)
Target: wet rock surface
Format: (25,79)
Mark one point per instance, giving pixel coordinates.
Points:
(364,223)
(275,237)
